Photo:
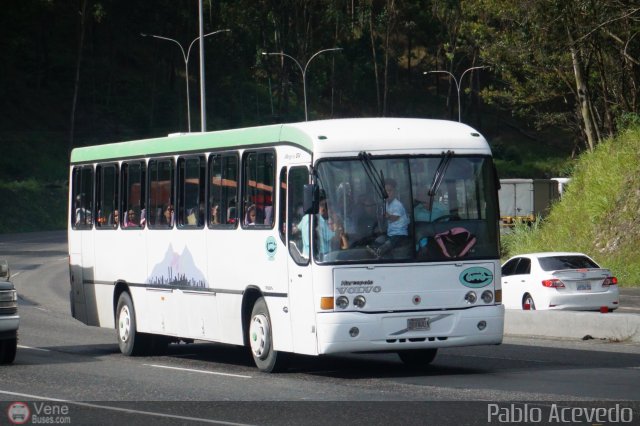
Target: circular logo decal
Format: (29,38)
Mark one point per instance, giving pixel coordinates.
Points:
(271,246)
(18,413)
(476,277)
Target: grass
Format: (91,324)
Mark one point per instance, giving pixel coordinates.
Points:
(599,213)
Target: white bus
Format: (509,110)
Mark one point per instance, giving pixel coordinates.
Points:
(313,238)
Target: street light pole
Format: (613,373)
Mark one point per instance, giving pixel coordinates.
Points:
(303,71)
(457,83)
(185,57)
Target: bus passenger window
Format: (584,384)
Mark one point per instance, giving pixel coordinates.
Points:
(258,187)
(82,193)
(161,214)
(223,190)
(132,212)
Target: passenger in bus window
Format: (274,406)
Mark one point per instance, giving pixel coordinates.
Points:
(250,217)
(268,215)
(131,220)
(397,224)
(168,215)
(115,219)
(429,208)
(215,214)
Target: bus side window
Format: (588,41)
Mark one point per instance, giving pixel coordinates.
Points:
(132,213)
(297,224)
(106,196)
(191,182)
(223,190)
(161,212)
(258,195)
(82,196)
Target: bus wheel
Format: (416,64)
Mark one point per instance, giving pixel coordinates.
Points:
(8,348)
(130,341)
(418,357)
(261,340)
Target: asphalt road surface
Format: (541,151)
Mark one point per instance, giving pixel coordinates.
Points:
(66,372)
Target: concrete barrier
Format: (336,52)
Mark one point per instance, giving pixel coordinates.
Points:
(573,325)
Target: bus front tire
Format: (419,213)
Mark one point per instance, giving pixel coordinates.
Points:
(131,342)
(261,340)
(418,357)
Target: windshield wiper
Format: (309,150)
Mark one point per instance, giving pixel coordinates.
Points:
(439,174)
(376,178)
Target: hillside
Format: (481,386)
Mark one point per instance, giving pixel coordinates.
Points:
(599,213)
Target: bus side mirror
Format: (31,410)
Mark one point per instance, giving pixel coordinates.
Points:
(311,199)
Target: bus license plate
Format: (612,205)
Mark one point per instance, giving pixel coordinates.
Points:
(418,324)
(584,286)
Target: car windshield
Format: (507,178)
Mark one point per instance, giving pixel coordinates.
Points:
(556,263)
(429,208)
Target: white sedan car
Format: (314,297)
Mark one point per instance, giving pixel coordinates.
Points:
(570,281)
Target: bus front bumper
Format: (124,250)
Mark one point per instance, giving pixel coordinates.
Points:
(393,331)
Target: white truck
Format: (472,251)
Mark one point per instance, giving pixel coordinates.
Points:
(9,319)
(523,200)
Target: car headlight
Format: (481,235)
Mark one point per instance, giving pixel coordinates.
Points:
(8,302)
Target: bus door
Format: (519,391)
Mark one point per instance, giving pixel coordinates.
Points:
(301,305)
(81,239)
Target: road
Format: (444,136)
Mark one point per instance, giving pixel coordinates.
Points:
(77,372)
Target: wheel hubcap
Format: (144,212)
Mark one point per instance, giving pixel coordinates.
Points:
(124,324)
(259,336)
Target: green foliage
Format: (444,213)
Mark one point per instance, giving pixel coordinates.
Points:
(599,212)
(31,205)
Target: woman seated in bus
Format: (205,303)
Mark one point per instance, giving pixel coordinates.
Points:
(167,215)
(250,216)
(130,220)
(215,214)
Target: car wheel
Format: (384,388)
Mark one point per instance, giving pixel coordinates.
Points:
(8,349)
(131,342)
(418,357)
(528,300)
(261,340)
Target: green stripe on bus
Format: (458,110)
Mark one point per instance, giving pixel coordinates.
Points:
(193,142)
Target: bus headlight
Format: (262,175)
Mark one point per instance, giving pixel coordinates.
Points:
(471,297)
(342,302)
(487,296)
(359,302)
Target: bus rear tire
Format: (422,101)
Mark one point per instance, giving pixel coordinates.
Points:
(418,357)
(131,342)
(8,349)
(261,340)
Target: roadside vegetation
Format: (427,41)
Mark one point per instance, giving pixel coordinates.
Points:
(599,213)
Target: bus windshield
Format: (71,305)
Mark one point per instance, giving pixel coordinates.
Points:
(406,209)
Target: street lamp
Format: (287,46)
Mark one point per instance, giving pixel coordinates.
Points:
(457,82)
(303,71)
(185,56)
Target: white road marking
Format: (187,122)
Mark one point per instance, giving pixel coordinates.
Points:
(198,371)
(32,348)
(40,309)
(15,274)
(123,410)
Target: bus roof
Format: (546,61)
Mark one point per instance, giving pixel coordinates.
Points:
(321,137)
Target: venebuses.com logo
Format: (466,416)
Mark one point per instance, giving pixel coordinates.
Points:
(20,413)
